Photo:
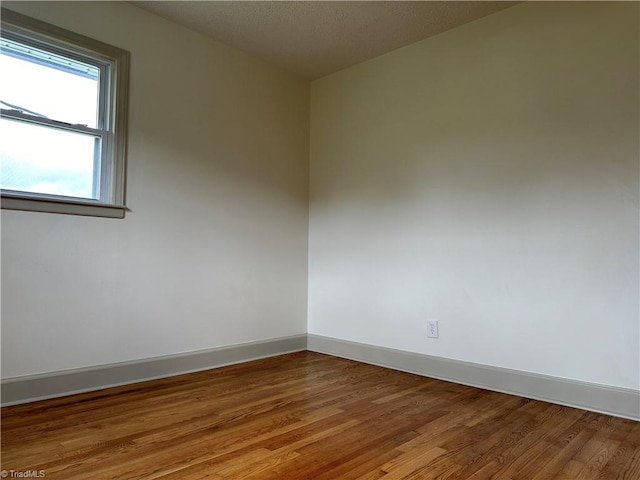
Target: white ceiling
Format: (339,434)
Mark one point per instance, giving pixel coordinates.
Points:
(315,38)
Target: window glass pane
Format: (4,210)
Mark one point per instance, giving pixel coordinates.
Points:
(47,160)
(42,83)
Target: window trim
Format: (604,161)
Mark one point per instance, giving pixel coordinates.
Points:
(114,134)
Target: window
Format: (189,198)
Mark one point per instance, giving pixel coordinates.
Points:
(63,100)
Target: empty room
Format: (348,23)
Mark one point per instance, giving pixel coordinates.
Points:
(320,240)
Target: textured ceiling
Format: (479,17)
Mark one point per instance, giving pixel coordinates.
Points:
(315,38)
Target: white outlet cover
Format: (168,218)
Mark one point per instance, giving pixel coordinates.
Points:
(432,329)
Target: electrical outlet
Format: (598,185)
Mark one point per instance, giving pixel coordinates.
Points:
(432,329)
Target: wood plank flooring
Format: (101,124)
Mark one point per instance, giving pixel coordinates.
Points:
(307,416)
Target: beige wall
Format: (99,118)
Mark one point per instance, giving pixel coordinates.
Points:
(487,178)
(214,250)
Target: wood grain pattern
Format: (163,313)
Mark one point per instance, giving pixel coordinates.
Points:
(311,416)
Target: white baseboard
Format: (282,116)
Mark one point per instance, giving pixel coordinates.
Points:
(30,388)
(619,402)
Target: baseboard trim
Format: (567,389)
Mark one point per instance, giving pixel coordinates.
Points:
(619,402)
(615,401)
(31,388)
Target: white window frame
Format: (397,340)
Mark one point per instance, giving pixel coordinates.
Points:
(113,63)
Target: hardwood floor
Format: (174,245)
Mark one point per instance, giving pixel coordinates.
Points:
(307,416)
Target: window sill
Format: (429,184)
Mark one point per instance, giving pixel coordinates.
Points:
(11,201)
